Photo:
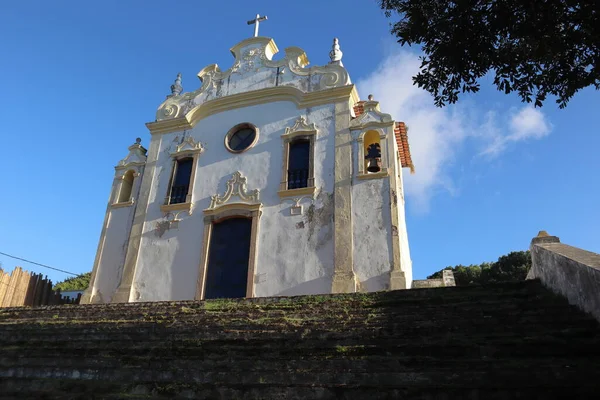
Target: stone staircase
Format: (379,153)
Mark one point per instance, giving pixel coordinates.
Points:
(506,341)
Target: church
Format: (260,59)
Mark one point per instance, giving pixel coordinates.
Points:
(272,179)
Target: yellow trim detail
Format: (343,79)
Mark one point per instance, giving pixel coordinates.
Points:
(269,45)
(232,206)
(246,99)
(175,207)
(236,128)
(297,192)
(122,204)
(375,175)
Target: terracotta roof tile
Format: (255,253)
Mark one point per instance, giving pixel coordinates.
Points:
(403,148)
(359,108)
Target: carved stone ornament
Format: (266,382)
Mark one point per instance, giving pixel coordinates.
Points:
(236,187)
(255,69)
(300,126)
(189,145)
(136,156)
(188,106)
(252,59)
(296,208)
(371,116)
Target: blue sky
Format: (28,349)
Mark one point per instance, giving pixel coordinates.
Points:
(80,79)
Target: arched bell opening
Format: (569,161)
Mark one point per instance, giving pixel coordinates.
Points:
(126,187)
(372,152)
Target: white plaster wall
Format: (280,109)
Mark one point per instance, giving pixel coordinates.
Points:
(294,254)
(372,233)
(114,248)
(372,222)
(405,260)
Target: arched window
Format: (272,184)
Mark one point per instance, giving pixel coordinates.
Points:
(126,187)
(372,152)
(299,164)
(181,180)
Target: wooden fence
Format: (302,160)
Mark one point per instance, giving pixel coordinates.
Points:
(22,288)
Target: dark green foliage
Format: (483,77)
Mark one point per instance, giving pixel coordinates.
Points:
(79,282)
(511,267)
(535,48)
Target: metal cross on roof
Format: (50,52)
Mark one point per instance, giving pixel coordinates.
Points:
(256,21)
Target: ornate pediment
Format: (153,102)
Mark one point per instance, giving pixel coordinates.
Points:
(236,193)
(371,116)
(254,69)
(301,127)
(188,145)
(136,156)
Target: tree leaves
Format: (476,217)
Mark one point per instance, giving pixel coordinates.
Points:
(513,266)
(535,48)
(79,282)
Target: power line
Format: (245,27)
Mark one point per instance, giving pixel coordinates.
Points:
(36,263)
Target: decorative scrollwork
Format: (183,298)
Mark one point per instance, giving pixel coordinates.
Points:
(300,126)
(236,186)
(254,55)
(171,110)
(188,145)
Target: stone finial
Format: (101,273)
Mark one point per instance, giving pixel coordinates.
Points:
(176,87)
(544,237)
(138,140)
(370,97)
(336,54)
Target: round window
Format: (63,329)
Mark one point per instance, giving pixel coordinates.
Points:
(241,137)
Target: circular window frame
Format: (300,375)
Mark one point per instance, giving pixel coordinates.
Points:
(236,128)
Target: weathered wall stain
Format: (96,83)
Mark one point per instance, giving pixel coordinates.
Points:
(161,228)
(320,214)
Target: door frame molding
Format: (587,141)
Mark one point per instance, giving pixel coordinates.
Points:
(211,216)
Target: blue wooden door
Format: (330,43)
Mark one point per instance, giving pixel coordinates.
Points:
(229,251)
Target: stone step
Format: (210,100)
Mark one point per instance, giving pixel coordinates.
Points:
(517,376)
(507,341)
(442,349)
(422,297)
(251,322)
(340,359)
(504,308)
(46,389)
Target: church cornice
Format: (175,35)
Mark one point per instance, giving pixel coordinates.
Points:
(246,99)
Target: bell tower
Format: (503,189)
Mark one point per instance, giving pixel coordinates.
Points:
(114,237)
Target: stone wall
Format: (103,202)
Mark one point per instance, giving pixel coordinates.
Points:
(446,280)
(566,270)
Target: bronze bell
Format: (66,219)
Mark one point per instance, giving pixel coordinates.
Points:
(374,164)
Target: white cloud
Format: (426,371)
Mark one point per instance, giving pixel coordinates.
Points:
(436,134)
(527,123)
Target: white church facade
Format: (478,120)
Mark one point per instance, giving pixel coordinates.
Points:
(271,179)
